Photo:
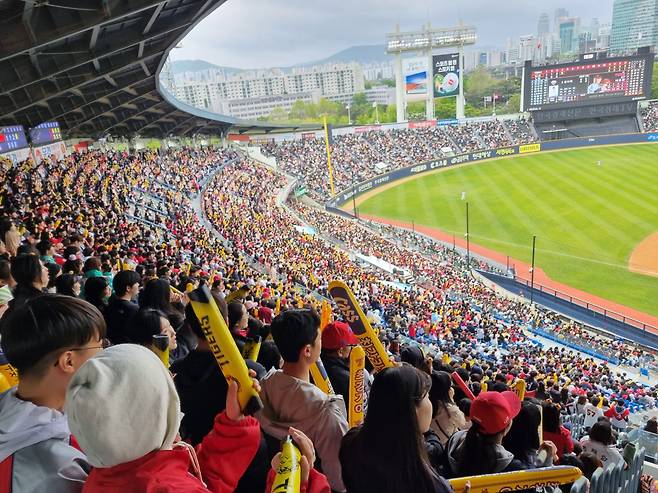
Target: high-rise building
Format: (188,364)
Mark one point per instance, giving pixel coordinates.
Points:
(559,14)
(543,25)
(603,39)
(255,93)
(634,24)
(568,30)
(527,48)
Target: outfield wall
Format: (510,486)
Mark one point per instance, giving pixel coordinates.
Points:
(421,168)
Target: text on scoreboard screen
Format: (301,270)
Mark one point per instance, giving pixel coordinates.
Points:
(12,138)
(588,83)
(45,133)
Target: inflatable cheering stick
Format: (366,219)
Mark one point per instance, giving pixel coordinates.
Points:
(320,377)
(518,480)
(357,384)
(358,322)
(224,349)
(160,346)
(288,478)
(252,348)
(8,374)
(462,385)
(237,294)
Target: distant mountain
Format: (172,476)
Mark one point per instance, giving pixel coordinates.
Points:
(359,54)
(180,66)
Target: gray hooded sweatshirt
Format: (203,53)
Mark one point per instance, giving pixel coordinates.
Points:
(504,460)
(38,437)
(289,401)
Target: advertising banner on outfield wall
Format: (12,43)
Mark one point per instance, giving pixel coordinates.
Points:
(445,75)
(415,78)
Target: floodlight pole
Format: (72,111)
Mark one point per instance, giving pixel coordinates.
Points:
(532,272)
(356,215)
(461,103)
(468,241)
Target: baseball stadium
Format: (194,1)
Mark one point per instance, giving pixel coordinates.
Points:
(255,281)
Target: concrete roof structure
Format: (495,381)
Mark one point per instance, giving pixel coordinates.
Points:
(94,65)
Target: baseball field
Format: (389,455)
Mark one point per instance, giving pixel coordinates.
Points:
(594,212)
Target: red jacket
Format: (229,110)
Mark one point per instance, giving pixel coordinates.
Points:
(224,456)
(562,441)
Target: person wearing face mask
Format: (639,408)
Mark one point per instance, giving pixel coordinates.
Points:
(387,453)
(47,339)
(121,308)
(337,343)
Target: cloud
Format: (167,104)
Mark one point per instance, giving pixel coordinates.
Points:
(266,33)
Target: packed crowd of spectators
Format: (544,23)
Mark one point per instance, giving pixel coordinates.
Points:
(358,156)
(650,117)
(80,228)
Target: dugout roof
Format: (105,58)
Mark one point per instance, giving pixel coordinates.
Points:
(93,66)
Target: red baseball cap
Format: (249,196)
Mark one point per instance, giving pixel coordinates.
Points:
(337,335)
(493,411)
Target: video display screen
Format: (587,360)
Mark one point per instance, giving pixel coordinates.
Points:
(610,80)
(45,133)
(12,138)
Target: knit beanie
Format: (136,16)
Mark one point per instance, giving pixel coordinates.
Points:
(121,405)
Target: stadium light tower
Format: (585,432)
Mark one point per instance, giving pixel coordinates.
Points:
(425,42)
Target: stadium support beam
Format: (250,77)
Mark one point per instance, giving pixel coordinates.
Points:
(89,100)
(150,108)
(65,89)
(92,115)
(128,40)
(152,122)
(40,38)
(153,18)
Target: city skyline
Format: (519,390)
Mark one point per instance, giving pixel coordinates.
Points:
(252,33)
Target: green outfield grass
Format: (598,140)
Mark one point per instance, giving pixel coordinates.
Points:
(587,218)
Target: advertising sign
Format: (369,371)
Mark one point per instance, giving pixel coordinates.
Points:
(445,75)
(415,76)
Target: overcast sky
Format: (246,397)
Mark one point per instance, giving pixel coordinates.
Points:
(268,33)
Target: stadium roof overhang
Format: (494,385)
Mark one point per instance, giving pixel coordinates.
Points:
(94,65)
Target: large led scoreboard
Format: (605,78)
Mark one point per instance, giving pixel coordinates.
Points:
(45,133)
(12,138)
(587,83)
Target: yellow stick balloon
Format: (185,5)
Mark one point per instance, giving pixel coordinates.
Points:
(237,294)
(320,377)
(224,349)
(357,385)
(160,346)
(354,316)
(288,478)
(518,480)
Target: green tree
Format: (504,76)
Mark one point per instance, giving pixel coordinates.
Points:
(654,82)
(445,108)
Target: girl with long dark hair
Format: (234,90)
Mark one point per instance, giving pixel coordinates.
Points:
(479,450)
(387,454)
(523,438)
(157,296)
(553,429)
(31,278)
(446,416)
(97,292)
